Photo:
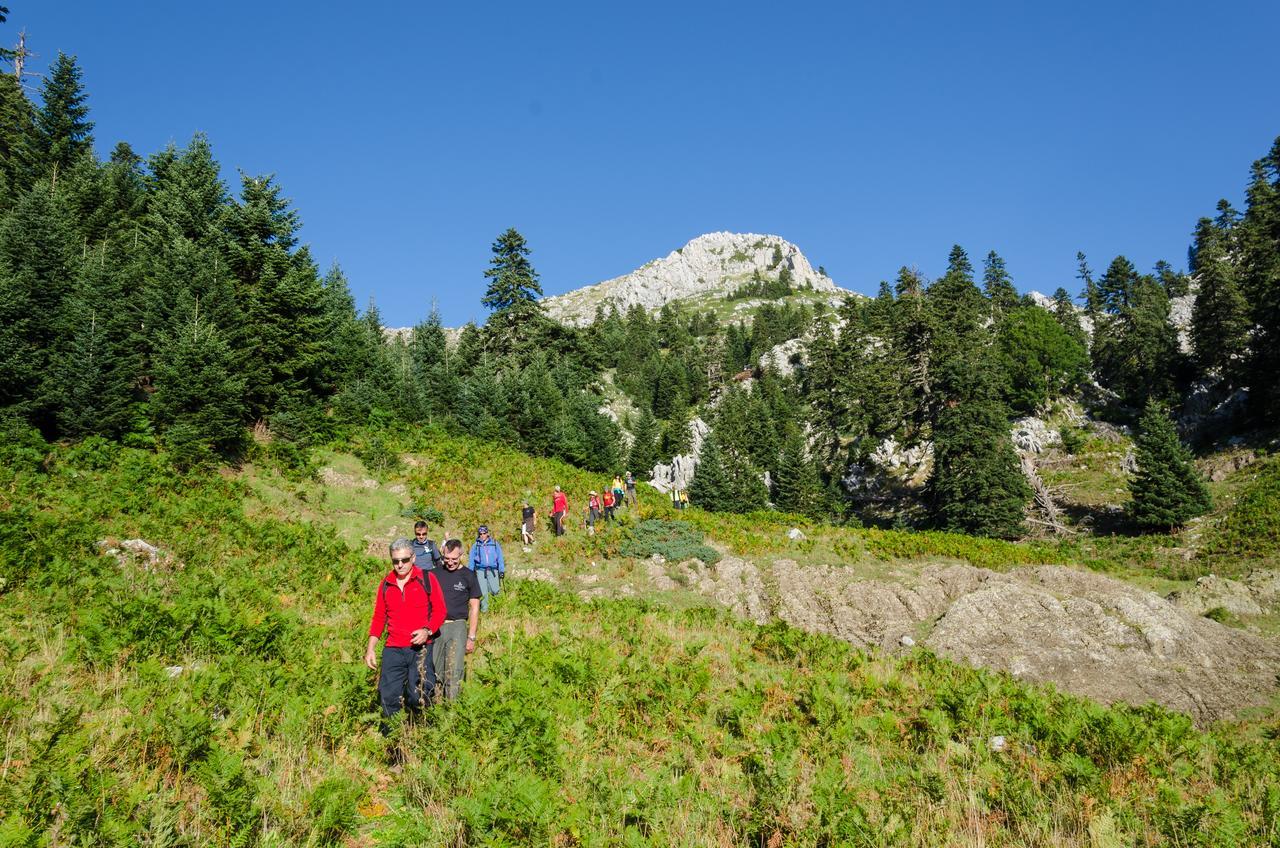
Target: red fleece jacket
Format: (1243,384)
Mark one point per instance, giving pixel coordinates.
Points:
(400,612)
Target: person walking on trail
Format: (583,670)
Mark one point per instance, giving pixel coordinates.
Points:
(457,637)
(488,565)
(409,608)
(528,520)
(619,498)
(593,512)
(425,553)
(608,505)
(684,498)
(675,498)
(559,506)
(631,489)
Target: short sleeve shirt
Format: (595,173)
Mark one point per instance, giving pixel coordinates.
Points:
(459,587)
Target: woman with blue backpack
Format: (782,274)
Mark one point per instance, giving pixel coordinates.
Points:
(488,564)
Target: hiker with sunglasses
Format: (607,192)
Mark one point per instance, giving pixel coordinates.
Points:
(409,608)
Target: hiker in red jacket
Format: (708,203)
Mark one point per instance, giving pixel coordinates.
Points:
(410,607)
(559,506)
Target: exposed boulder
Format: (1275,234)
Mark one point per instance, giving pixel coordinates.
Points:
(1213,592)
(1087,633)
(1033,435)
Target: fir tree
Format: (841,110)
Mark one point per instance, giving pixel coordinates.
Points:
(724,480)
(1115,289)
(677,438)
(956,309)
(644,447)
(538,410)
(977,485)
(63,130)
(18,142)
(1089,293)
(1220,315)
(198,398)
(1065,313)
(796,487)
(1259,243)
(1167,490)
(513,291)
(283,300)
(998,286)
(913,340)
(587,438)
(36,261)
(94,366)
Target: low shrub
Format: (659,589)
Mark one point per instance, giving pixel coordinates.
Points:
(675,541)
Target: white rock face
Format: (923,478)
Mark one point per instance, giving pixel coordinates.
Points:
(1033,435)
(779,358)
(678,473)
(711,264)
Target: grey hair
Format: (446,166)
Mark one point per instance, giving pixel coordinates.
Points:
(401,544)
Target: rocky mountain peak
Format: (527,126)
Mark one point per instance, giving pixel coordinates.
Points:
(710,265)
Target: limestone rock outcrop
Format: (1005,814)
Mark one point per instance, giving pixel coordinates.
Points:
(712,264)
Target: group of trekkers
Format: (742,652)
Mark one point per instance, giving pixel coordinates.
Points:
(599,506)
(430,602)
(429,606)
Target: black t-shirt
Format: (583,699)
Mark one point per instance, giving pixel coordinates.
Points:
(459,587)
(526,514)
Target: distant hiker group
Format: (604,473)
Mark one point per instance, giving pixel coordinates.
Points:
(429,604)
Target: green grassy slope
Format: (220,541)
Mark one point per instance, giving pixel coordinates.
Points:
(216,697)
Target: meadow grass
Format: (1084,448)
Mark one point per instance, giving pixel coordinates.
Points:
(216,697)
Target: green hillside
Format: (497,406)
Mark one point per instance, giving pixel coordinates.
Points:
(215,696)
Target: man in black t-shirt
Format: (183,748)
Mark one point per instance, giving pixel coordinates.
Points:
(457,636)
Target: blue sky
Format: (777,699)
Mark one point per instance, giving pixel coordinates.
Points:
(872,135)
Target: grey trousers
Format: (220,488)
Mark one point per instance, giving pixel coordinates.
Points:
(450,654)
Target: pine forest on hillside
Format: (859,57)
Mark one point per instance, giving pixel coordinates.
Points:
(175,365)
(146,302)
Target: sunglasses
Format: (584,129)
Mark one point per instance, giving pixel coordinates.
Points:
(401,561)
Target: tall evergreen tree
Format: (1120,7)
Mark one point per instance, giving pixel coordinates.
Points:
(283,299)
(725,481)
(1220,316)
(1259,244)
(199,397)
(1065,313)
(957,309)
(913,338)
(977,485)
(998,286)
(36,270)
(18,143)
(644,447)
(1089,293)
(512,293)
(64,132)
(796,486)
(1167,490)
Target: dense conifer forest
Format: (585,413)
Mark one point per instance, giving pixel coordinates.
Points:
(144,300)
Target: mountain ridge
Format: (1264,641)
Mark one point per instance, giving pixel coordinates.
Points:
(714,263)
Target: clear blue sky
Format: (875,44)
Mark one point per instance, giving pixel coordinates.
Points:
(410,134)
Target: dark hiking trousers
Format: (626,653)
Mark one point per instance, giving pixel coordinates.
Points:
(408,679)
